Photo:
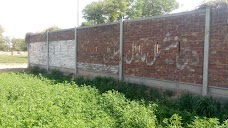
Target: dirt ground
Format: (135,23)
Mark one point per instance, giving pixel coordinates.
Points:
(13,67)
(19,53)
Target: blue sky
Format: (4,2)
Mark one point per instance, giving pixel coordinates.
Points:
(18,17)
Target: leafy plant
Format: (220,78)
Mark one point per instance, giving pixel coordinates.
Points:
(56,74)
(173,122)
(207,106)
(36,70)
(187,102)
(207,123)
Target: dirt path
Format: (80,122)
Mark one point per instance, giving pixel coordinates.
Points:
(8,66)
(12,67)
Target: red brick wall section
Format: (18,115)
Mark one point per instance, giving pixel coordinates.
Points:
(40,37)
(68,34)
(151,48)
(218,59)
(99,45)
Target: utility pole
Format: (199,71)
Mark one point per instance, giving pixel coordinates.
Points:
(77,13)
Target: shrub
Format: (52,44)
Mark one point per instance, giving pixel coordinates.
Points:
(173,122)
(57,75)
(207,106)
(186,102)
(208,123)
(36,70)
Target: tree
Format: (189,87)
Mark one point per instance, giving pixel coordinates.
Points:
(114,10)
(94,12)
(52,28)
(18,44)
(104,11)
(6,43)
(2,43)
(1,31)
(89,23)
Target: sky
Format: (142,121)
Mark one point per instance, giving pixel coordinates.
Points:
(19,17)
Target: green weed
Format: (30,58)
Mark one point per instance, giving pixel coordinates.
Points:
(42,99)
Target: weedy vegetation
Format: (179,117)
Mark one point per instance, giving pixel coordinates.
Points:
(55,100)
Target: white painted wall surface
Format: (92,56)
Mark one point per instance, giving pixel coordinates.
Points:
(62,54)
(38,53)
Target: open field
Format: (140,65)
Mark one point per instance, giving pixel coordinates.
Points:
(54,100)
(15,53)
(8,59)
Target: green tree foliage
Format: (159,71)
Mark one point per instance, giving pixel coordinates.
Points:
(1,31)
(94,12)
(114,10)
(6,43)
(89,23)
(147,8)
(105,11)
(52,28)
(2,44)
(19,44)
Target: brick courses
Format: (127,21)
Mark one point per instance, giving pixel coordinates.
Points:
(165,48)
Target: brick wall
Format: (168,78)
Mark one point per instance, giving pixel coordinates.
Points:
(169,48)
(38,53)
(164,48)
(98,48)
(218,60)
(62,54)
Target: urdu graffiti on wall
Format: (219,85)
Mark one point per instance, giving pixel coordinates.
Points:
(185,59)
(110,48)
(112,52)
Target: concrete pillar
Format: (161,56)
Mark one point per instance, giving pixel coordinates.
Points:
(206,51)
(28,48)
(121,55)
(47,34)
(76,51)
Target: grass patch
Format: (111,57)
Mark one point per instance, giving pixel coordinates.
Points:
(6,59)
(55,100)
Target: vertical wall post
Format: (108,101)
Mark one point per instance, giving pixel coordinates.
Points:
(206,51)
(28,49)
(121,56)
(47,34)
(76,51)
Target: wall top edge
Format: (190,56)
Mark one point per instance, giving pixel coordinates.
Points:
(99,25)
(62,30)
(42,33)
